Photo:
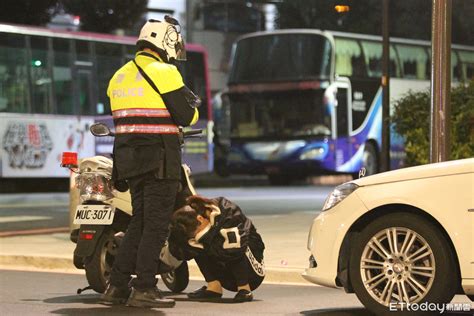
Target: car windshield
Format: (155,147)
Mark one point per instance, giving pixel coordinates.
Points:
(280,57)
(288,115)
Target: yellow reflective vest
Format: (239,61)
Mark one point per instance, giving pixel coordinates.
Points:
(146,134)
(132,96)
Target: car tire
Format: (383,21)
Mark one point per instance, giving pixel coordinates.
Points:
(370,160)
(178,279)
(402,264)
(99,265)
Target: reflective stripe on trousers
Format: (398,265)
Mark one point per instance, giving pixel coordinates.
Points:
(146,129)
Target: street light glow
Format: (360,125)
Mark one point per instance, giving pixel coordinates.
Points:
(342,8)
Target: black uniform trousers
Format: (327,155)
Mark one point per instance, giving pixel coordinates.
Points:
(230,274)
(153,203)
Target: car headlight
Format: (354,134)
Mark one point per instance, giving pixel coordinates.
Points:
(340,193)
(314,153)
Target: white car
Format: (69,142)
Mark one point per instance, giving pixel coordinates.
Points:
(398,238)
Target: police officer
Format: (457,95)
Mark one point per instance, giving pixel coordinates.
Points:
(149,101)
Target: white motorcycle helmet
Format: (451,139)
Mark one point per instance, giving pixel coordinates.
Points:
(164,36)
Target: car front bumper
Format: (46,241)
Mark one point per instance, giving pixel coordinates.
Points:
(325,240)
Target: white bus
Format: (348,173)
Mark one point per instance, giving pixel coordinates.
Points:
(305,102)
(53,87)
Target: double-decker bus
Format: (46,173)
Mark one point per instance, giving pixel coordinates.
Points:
(308,102)
(53,87)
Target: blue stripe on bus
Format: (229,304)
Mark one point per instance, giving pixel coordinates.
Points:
(370,129)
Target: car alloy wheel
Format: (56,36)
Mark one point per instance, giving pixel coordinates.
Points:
(402,258)
(397,264)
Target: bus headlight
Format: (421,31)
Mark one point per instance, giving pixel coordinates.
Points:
(340,193)
(313,153)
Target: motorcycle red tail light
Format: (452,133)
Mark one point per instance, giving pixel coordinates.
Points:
(69,160)
(86,236)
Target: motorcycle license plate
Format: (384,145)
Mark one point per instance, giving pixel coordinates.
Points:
(94,215)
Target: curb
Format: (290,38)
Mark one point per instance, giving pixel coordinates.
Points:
(273,275)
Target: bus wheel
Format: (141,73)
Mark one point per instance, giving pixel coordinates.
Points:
(279,179)
(370,160)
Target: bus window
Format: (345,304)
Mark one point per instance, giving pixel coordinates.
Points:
(82,51)
(83,79)
(281,57)
(373,59)
(62,76)
(41,82)
(130,51)
(266,116)
(13,74)
(413,61)
(109,60)
(342,123)
(456,69)
(467,61)
(194,76)
(349,60)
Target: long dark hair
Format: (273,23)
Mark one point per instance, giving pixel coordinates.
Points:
(184,222)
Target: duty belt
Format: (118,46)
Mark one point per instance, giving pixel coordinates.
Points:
(146,129)
(140,112)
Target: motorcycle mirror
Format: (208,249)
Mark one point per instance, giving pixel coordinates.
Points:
(100,129)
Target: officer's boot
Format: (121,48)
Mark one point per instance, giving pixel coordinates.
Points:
(116,295)
(149,298)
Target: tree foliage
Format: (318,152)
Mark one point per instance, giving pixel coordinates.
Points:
(105,16)
(412,121)
(37,12)
(408,19)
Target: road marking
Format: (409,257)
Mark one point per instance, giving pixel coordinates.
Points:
(279,198)
(22,218)
(33,205)
(7,267)
(39,231)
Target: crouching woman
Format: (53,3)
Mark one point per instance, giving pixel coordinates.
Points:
(223,242)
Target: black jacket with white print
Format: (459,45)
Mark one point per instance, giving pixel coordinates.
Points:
(229,236)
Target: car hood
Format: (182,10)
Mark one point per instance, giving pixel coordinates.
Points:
(420,172)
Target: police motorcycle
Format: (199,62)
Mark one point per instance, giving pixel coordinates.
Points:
(100,214)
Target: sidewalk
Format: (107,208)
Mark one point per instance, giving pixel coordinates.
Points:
(284,235)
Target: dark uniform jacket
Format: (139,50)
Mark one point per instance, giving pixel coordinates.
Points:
(135,103)
(228,237)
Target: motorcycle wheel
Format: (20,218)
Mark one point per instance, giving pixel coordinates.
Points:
(99,265)
(177,280)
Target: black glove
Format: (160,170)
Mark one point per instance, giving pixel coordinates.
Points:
(121,185)
(193,100)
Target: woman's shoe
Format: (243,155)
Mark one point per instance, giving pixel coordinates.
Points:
(204,294)
(243,296)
